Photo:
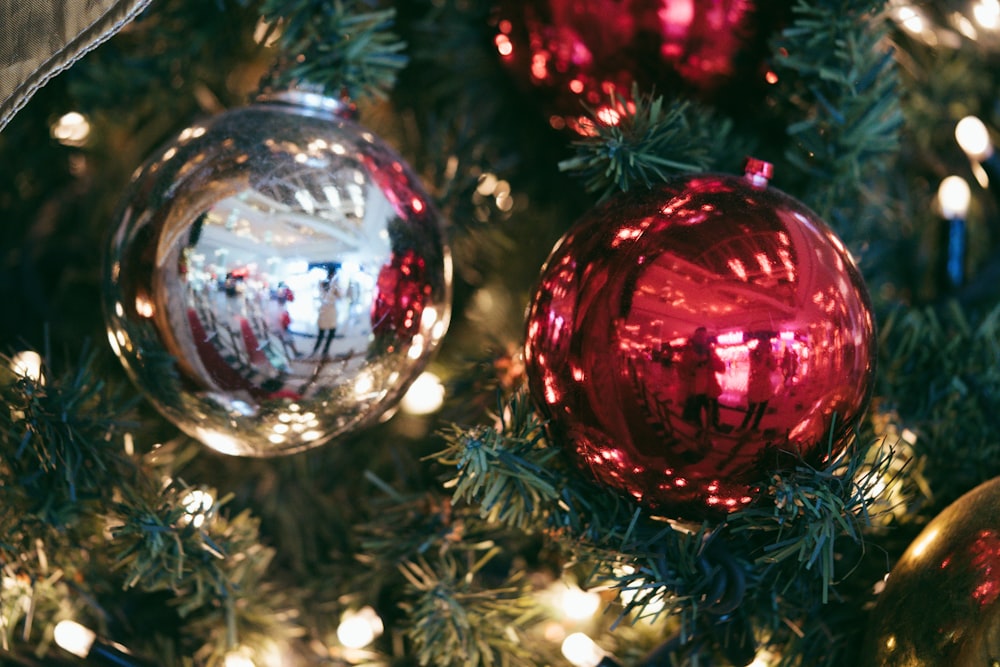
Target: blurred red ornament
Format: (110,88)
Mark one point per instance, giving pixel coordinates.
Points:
(401,293)
(683,340)
(581,51)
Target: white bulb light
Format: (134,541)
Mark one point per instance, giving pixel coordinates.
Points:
(72,129)
(359,629)
(973,137)
(953,197)
(578,604)
(425,395)
(239,658)
(581,650)
(74,638)
(27,364)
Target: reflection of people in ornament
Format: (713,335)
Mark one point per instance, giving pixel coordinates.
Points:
(284,293)
(759,386)
(698,366)
(327,320)
(284,323)
(789,365)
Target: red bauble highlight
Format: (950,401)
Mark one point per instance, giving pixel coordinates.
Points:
(685,341)
(580,52)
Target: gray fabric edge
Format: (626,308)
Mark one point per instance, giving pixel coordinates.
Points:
(97,33)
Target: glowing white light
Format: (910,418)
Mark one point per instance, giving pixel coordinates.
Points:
(197,504)
(113,342)
(987,13)
(239,658)
(359,629)
(72,129)
(730,338)
(578,604)
(306,200)
(581,650)
(144,307)
(973,137)
(28,363)
(220,442)
(953,197)
(416,347)
(428,317)
(363,385)
(910,19)
(762,659)
(425,395)
(73,637)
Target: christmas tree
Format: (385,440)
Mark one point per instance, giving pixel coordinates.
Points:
(382,430)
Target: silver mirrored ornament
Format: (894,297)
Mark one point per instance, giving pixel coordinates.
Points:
(276,277)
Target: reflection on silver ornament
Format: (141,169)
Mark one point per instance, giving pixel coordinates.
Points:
(277,277)
(941,602)
(683,340)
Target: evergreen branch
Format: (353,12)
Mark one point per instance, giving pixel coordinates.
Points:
(808,510)
(504,471)
(59,440)
(941,373)
(337,45)
(836,69)
(455,622)
(645,143)
(517,480)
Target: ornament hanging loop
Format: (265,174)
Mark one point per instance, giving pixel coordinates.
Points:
(758,172)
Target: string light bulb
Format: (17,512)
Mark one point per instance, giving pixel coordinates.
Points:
(582,651)
(954,196)
(359,628)
(578,604)
(425,395)
(973,138)
(84,643)
(28,364)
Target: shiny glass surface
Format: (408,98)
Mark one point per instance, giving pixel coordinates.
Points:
(584,52)
(939,605)
(683,340)
(276,277)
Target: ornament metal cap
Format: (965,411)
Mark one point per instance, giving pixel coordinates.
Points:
(758,172)
(309,99)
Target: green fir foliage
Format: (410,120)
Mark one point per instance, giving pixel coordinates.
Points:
(838,70)
(338,45)
(649,140)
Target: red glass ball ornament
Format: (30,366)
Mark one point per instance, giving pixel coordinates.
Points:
(585,51)
(683,340)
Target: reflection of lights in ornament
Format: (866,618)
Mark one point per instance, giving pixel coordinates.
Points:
(144,307)
(953,197)
(72,129)
(578,604)
(581,650)
(197,504)
(973,137)
(359,629)
(425,395)
(28,364)
(922,543)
